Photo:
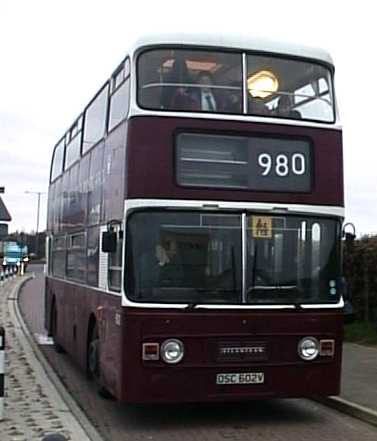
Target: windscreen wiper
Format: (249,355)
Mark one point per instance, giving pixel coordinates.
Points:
(271,288)
(190,307)
(298,306)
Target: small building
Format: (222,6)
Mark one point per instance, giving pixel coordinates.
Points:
(4,217)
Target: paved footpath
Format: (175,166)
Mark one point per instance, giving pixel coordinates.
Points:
(359,382)
(358,395)
(33,406)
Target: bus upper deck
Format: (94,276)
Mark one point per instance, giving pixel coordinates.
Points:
(267,130)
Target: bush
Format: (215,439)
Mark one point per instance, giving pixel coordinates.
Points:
(360,271)
(361,332)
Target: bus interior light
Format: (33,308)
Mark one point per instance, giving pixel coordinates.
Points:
(262,84)
(151,351)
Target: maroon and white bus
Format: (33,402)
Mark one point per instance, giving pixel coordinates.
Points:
(194,224)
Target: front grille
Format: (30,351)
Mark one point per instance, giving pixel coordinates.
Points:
(246,351)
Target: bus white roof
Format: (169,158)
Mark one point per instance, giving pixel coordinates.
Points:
(231,41)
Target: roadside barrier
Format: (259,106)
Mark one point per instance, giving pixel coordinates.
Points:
(4,276)
(2,371)
(8,273)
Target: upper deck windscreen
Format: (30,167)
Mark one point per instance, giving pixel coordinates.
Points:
(213,81)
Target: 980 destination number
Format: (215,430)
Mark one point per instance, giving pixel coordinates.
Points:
(282,165)
(240,378)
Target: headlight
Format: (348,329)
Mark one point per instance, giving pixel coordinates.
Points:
(308,348)
(172,351)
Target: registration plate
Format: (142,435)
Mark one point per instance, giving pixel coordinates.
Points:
(240,378)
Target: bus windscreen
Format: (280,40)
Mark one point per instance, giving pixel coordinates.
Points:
(208,258)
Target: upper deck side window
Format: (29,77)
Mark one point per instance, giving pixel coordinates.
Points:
(57,161)
(120,75)
(73,143)
(119,95)
(213,81)
(95,119)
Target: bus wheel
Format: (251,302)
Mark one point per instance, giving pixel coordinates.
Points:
(93,363)
(54,329)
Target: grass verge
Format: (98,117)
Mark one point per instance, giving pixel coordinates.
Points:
(361,332)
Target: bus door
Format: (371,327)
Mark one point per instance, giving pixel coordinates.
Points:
(109,315)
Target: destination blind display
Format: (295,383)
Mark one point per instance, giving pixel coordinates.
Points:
(252,163)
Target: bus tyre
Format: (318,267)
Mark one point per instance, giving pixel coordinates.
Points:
(54,328)
(94,365)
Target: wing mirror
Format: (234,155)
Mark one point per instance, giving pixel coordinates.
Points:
(110,237)
(109,241)
(349,236)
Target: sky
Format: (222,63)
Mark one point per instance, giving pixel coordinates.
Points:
(56,54)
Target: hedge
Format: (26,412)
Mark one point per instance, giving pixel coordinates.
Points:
(360,271)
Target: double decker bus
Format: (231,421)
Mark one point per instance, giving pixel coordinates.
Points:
(194,224)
